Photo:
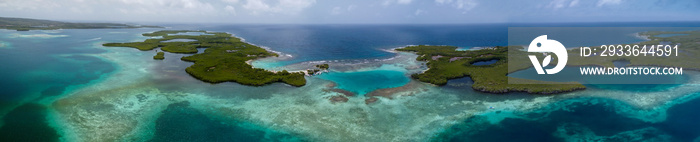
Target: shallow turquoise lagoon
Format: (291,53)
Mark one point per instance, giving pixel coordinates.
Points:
(364,82)
(70,75)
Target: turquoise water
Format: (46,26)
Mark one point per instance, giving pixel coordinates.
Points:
(44,64)
(4,45)
(42,70)
(48,65)
(180,122)
(363,82)
(462,48)
(27,123)
(599,118)
(592,119)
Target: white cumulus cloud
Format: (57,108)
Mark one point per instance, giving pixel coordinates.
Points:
(464,5)
(27,4)
(573,3)
(558,4)
(277,6)
(608,2)
(230,1)
(158,7)
(230,9)
(389,2)
(336,10)
(418,12)
(340,10)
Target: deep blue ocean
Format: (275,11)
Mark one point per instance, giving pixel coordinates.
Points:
(38,67)
(347,42)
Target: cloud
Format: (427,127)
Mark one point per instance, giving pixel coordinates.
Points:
(153,7)
(558,4)
(573,3)
(418,12)
(351,7)
(230,1)
(336,10)
(339,10)
(18,5)
(277,7)
(403,2)
(358,11)
(602,3)
(256,6)
(230,9)
(159,7)
(464,5)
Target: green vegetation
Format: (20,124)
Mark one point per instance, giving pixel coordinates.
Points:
(202,41)
(312,72)
(323,66)
(168,32)
(223,60)
(446,63)
(159,56)
(22,24)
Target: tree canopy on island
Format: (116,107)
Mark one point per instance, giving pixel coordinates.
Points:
(224,58)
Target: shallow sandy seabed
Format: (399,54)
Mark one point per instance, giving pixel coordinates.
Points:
(35,36)
(125,105)
(4,45)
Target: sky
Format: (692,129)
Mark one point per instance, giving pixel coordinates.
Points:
(354,11)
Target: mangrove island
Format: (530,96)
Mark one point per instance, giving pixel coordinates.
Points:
(445,62)
(224,57)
